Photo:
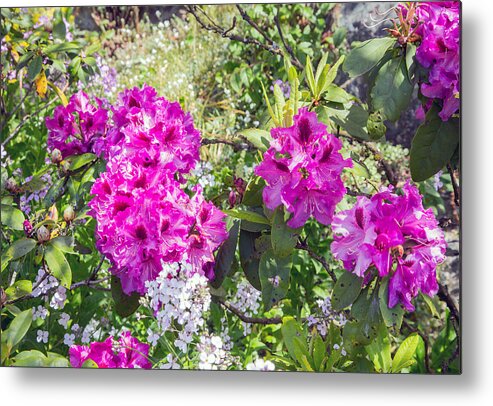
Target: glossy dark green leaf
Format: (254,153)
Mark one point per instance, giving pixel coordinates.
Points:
(34,67)
(58,265)
(366,55)
(226,255)
(250,257)
(392,317)
(274,275)
(346,290)
(19,289)
(433,145)
(283,237)
(125,305)
(11,217)
(393,89)
(18,249)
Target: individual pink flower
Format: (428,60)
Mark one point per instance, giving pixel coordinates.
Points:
(302,169)
(127,352)
(396,235)
(79,127)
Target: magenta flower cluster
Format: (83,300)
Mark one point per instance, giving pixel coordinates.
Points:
(439,51)
(302,169)
(79,127)
(144,218)
(127,352)
(396,235)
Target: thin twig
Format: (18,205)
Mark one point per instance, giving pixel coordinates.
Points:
(294,60)
(247,319)
(25,120)
(455,185)
(249,21)
(302,245)
(235,145)
(444,296)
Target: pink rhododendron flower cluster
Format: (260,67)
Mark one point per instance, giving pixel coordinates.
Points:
(127,352)
(302,169)
(79,127)
(143,216)
(439,51)
(395,234)
(154,129)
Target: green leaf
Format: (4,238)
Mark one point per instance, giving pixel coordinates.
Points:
(319,353)
(337,94)
(79,161)
(89,363)
(433,145)
(226,255)
(56,361)
(247,215)
(261,139)
(24,60)
(125,305)
(16,331)
(250,257)
(269,107)
(393,89)
(11,217)
(392,317)
(64,243)
(366,310)
(410,59)
(34,67)
(31,358)
(331,75)
(19,289)
(379,351)
(274,274)
(58,265)
(283,237)
(322,65)
(59,30)
(63,47)
(280,103)
(429,302)
(346,290)
(253,192)
(404,355)
(352,118)
(310,79)
(290,330)
(366,55)
(18,249)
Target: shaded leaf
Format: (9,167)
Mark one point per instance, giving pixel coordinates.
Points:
(346,290)
(366,55)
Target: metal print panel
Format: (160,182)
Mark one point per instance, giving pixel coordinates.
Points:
(269,187)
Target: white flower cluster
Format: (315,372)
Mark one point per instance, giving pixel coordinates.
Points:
(329,315)
(178,303)
(212,355)
(202,172)
(40,313)
(261,365)
(48,282)
(247,299)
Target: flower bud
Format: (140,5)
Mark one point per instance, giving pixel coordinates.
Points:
(65,165)
(28,227)
(43,234)
(56,156)
(69,214)
(232,198)
(11,186)
(52,214)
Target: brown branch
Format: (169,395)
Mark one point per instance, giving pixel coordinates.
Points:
(227,33)
(247,319)
(455,185)
(244,146)
(255,26)
(302,245)
(445,297)
(294,60)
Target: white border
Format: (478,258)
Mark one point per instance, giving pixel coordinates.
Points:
(474,387)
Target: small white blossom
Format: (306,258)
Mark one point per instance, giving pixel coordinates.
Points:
(261,365)
(69,339)
(64,319)
(42,336)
